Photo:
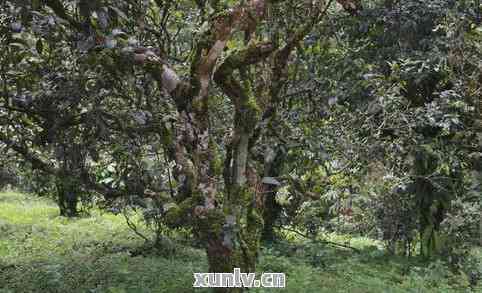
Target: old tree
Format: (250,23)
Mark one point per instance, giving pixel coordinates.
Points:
(200,82)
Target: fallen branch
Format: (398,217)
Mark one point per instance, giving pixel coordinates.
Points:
(314,239)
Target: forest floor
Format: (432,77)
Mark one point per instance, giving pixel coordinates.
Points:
(43,252)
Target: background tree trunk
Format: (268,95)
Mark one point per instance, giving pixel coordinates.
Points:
(67,198)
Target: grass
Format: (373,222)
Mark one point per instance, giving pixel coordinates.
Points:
(43,252)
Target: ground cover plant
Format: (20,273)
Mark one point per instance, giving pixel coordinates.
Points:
(42,252)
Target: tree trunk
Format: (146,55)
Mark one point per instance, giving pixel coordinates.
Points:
(270,215)
(224,260)
(232,238)
(67,199)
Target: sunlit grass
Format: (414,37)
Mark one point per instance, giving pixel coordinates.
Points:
(43,252)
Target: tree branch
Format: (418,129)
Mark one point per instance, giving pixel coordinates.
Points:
(314,239)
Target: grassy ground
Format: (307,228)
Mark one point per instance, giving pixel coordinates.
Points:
(42,252)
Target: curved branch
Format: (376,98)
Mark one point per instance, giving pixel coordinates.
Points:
(251,55)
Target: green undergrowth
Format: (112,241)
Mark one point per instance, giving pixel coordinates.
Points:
(43,252)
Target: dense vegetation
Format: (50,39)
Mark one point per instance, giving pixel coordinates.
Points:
(330,140)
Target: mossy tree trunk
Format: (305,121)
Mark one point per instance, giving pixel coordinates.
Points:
(232,226)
